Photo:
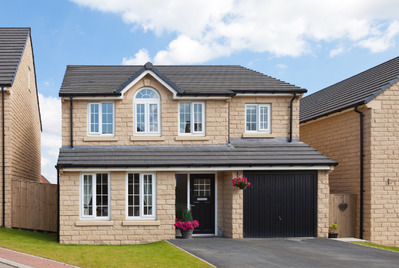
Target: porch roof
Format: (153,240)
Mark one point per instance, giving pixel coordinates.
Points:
(241,152)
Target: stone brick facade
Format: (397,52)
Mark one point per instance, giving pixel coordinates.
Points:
(22,129)
(119,230)
(338,137)
(216,116)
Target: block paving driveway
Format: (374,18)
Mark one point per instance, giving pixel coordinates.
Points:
(286,252)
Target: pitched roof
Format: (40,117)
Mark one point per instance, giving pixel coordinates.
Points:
(12,44)
(82,80)
(250,152)
(357,90)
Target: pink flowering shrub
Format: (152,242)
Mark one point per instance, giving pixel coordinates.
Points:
(188,225)
(240,182)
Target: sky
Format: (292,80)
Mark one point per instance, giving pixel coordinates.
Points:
(308,43)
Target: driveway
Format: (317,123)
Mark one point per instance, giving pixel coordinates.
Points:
(286,252)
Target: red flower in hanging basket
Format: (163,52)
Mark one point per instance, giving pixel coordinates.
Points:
(241,182)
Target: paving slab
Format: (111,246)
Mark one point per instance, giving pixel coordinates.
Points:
(286,252)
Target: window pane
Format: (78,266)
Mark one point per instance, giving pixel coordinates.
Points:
(140,117)
(133,195)
(153,117)
(185,117)
(147,94)
(263,117)
(87,195)
(107,118)
(147,180)
(198,117)
(102,195)
(250,117)
(94,118)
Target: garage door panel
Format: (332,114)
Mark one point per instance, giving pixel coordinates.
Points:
(280,204)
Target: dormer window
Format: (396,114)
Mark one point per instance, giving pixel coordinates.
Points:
(147,112)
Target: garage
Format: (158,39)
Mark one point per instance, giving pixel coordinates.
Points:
(280,204)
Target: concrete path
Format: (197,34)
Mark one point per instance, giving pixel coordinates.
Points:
(11,258)
(287,252)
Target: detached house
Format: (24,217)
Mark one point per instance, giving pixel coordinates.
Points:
(356,122)
(142,143)
(20,116)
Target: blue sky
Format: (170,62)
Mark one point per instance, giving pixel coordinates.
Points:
(309,43)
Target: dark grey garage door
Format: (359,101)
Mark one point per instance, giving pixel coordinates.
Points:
(280,204)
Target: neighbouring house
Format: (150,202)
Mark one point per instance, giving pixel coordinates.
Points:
(20,115)
(356,123)
(43,179)
(143,143)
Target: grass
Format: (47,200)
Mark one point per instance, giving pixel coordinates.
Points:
(160,254)
(377,246)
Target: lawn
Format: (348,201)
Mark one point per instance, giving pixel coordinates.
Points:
(160,254)
(377,246)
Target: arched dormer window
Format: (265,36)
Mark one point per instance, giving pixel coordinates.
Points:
(147,112)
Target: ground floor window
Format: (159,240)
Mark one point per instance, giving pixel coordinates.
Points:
(95,196)
(141,195)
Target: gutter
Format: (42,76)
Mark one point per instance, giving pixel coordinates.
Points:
(3,224)
(291,102)
(71,121)
(361,172)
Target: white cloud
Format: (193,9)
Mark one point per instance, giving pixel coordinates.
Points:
(382,40)
(208,29)
(140,58)
(44,161)
(50,110)
(282,66)
(336,51)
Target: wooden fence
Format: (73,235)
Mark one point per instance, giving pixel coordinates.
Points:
(34,205)
(343,213)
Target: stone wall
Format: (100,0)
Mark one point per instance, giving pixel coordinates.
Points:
(22,129)
(384,168)
(338,137)
(118,230)
(216,117)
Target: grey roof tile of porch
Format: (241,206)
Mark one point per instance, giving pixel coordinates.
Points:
(240,153)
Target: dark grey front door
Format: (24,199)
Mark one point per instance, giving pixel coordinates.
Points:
(202,202)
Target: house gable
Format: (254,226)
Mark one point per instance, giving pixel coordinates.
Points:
(150,70)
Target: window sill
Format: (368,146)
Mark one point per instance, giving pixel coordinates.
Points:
(147,138)
(94,223)
(257,135)
(191,138)
(99,138)
(141,223)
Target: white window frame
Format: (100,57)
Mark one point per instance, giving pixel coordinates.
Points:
(192,132)
(94,200)
(258,129)
(146,103)
(100,119)
(154,204)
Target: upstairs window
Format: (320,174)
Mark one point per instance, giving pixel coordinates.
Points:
(101,118)
(147,112)
(257,118)
(191,118)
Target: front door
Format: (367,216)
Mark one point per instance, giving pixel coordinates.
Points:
(202,202)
